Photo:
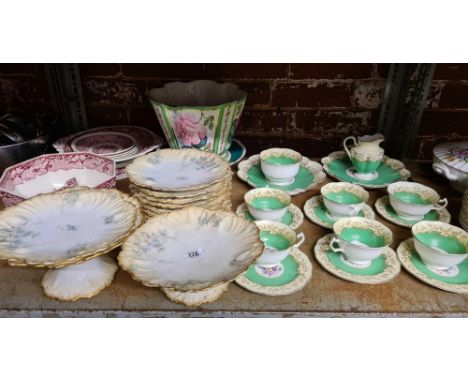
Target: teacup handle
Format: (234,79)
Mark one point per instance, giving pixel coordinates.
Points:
(301,238)
(334,241)
(442,203)
(346,147)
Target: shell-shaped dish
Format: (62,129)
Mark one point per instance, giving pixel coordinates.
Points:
(196,298)
(177,170)
(66,227)
(191,249)
(77,281)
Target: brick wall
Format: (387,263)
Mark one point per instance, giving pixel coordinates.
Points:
(309,107)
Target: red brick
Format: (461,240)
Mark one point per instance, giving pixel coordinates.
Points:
(368,94)
(98,70)
(24,90)
(451,72)
(262,121)
(330,71)
(258,93)
(107,92)
(444,122)
(319,123)
(102,116)
(454,95)
(315,94)
(21,69)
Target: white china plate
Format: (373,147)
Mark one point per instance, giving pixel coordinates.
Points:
(177,169)
(191,249)
(66,227)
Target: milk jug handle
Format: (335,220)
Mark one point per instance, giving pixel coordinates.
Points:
(345,145)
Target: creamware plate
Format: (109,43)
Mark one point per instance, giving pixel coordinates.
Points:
(316,212)
(293,216)
(196,298)
(411,261)
(310,174)
(77,281)
(177,170)
(338,166)
(66,227)
(385,209)
(191,249)
(295,274)
(382,269)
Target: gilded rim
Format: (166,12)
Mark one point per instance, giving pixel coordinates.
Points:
(316,201)
(78,297)
(391,271)
(346,186)
(304,276)
(86,255)
(126,260)
(393,163)
(135,178)
(298,216)
(404,251)
(196,298)
(314,168)
(382,202)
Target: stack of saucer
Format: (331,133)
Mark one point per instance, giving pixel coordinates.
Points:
(463,217)
(171,179)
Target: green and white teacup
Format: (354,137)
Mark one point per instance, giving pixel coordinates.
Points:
(280,166)
(440,245)
(267,203)
(343,199)
(278,239)
(413,200)
(360,240)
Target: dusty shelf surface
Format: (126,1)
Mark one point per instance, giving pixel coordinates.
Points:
(325,296)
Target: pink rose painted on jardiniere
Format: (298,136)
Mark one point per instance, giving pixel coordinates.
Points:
(189,129)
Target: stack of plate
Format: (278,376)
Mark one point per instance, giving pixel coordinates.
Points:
(172,179)
(463,217)
(119,143)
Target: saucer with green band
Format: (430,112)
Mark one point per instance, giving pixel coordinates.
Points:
(316,211)
(381,270)
(455,279)
(288,277)
(385,209)
(338,166)
(293,216)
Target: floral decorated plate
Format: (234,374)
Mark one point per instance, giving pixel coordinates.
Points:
(316,211)
(290,276)
(338,166)
(177,170)
(191,249)
(455,281)
(52,172)
(385,209)
(103,143)
(381,270)
(293,216)
(310,174)
(66,227)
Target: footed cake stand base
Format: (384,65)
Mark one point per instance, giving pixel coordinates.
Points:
(83,280)
(196,298)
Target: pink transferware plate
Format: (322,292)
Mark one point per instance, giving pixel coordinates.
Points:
(107,143)
(52,172)
(145,140)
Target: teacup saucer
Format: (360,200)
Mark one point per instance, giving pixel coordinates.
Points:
(454,280)
(293,216)
(381,270)
(338,166)
(310,174)
(385,209)
(316,211)
(290,276)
